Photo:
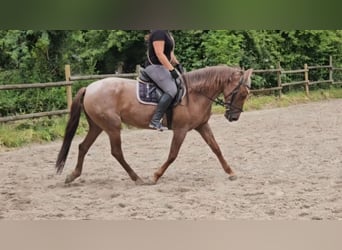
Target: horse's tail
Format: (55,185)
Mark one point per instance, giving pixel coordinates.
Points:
(74,118)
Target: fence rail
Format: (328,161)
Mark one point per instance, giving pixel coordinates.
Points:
(306,83)
(92,77)
(69,79)
(34,85)
(33,115)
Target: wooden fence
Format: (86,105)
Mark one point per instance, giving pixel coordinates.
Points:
(306,83)
(34,85)
(69,79)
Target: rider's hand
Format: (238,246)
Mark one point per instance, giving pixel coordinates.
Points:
(174,74)
(180,68)
(176,77)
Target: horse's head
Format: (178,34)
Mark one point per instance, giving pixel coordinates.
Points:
(235,94)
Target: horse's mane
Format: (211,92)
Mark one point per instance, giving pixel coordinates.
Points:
(211,77)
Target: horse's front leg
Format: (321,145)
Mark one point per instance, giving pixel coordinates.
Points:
(177,140)
(207,134)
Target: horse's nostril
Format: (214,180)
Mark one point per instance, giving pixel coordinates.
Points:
(233,118)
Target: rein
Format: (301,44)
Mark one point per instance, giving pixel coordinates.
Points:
(228,105)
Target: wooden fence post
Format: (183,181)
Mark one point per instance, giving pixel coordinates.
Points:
(331,70)
(279,78)
(306,79)
(68,87)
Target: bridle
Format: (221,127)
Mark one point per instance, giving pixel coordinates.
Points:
(229,106)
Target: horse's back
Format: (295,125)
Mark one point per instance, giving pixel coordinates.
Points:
(107,93)
(108,85)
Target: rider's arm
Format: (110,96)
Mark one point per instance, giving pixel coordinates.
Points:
(158,47)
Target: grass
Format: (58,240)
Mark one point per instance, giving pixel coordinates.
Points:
(20,133)
(256,102)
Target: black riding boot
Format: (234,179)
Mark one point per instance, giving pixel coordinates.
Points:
(164,103)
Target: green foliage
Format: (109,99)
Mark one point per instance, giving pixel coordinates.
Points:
(103,51)
(223,47)
(32,55)
(28,56)
(40,56)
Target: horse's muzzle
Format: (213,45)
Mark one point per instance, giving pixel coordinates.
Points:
(232,116)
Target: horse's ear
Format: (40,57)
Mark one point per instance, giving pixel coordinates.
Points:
(248,73)
(247,76)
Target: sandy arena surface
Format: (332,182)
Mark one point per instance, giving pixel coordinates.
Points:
(288,162)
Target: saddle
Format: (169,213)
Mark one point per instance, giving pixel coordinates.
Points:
(149,93)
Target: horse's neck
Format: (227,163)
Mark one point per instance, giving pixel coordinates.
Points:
(210,91)
(207,82)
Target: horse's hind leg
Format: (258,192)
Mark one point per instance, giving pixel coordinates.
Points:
(83,148)
(207,135)
(115,143)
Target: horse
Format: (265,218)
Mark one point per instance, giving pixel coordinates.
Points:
(109,102)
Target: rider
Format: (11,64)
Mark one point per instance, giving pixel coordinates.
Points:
(161,67)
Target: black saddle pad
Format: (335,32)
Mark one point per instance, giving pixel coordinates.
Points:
(147,93)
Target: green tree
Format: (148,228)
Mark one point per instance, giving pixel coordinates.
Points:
(223,47)
(101,51)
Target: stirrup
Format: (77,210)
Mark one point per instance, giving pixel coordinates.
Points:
(157,126)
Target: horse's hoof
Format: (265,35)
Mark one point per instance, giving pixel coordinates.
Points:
(70,178)
(150,182)
(233,177)
(139,182)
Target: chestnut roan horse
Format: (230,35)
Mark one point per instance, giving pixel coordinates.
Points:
(109,102)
